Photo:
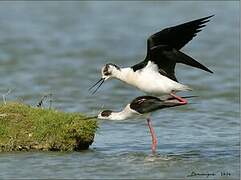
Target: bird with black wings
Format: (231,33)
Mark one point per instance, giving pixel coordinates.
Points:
(155,75)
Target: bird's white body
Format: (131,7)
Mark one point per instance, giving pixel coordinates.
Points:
(149,80)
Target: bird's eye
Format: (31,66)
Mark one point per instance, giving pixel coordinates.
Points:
(106,71)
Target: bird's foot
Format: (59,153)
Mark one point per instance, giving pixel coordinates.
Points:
(180,99)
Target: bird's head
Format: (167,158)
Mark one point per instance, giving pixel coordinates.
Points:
(107,71)
(106,114)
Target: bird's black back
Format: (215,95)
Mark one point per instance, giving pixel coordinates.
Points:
(147,104)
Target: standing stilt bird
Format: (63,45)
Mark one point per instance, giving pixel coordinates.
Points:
(155,75)
(144,105)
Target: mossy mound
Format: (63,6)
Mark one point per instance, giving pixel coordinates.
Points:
(23,127)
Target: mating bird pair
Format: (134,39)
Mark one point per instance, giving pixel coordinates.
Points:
(155,75)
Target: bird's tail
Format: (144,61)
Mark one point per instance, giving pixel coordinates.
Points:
(188,88)
(185,59)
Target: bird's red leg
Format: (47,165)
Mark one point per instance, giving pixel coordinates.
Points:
(180,99)
(153,136)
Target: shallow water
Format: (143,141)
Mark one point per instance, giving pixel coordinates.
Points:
(59,47)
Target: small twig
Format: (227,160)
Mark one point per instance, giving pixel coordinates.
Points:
(50,100)
(20,99)
(5,95)
(41,101)
(40,104)
(102,107)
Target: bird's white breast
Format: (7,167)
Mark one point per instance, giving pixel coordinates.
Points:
(150,80)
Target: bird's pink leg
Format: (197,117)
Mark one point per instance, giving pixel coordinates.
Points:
(180,99)
(153,136)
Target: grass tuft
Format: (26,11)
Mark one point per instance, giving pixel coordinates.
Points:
(25,128)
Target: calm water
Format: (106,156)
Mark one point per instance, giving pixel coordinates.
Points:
(59,48)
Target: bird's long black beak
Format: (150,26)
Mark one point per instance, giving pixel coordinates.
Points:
(98,84)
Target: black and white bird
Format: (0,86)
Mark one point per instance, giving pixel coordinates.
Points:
(155,75)
(144,105)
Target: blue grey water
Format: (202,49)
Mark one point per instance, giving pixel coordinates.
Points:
(59,48)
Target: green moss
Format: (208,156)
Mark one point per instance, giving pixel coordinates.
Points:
(23,127)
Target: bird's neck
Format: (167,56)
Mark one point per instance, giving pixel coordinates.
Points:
(124,114)
(126,74)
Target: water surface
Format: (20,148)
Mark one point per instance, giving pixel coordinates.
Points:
(59,48)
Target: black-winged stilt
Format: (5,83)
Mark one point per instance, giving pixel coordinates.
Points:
(155,75)
(144,105)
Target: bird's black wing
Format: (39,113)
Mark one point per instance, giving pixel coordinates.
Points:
(146,104)
(163,48)
(177,36)
(166,58)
